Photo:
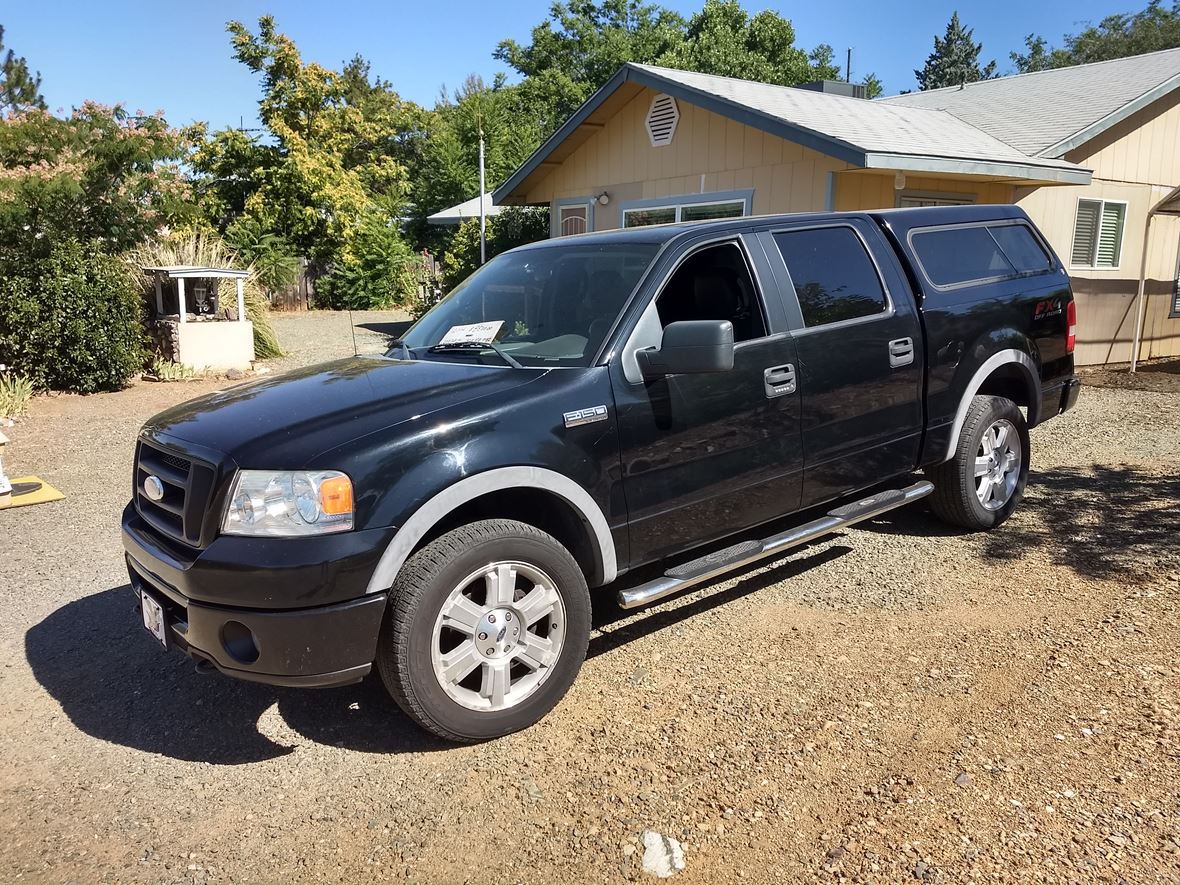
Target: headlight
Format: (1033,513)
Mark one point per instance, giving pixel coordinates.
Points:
(286,504)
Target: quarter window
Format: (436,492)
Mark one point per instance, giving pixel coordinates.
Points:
(1021,247)
(834,277)
(1098,233)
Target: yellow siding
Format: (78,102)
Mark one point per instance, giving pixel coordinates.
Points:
(870,190)
(1106,296)
(709,153)
(1144,148)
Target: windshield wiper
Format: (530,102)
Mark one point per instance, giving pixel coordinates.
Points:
(477,345)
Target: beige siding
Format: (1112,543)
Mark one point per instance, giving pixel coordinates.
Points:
(1144,148)
(1106,297)
(710,153)
(870,190)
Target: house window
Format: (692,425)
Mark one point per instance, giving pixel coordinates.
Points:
(1175,311)
(907,200)
(573,219)
(667,213)
(1098,233)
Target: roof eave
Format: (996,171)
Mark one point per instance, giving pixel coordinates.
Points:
(1061,148)
(1031,172)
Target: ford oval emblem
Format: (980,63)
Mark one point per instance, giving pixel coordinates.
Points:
(153,488)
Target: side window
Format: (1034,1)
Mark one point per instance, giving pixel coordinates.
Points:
(959,255)
(714,284)
(1021,247)
(834,277)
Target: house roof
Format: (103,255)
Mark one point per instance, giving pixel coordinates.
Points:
(1048,113)
(460,213)
(871,135)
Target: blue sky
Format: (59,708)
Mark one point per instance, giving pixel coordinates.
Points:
(175,55)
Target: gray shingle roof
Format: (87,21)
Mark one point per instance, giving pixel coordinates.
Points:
(1050,112)
(873,127)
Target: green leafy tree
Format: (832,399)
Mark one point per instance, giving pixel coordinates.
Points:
(1124,34)
(272,258)
(19,88)
(375,271)
(955,59)
(873,85)
(580,45)
(724,39)
(100,175)
(514,226)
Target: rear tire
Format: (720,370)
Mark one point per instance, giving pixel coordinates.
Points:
(486,628)
(980,487)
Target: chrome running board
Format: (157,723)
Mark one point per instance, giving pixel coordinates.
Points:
(698,571)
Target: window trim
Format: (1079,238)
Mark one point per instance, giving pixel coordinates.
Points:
(1174,307)
(966,284)
(943,199)
(678,202)
(564,202)
(890,308)
(627,359)
(1101,201)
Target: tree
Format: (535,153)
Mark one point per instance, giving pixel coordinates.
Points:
(1153,28)
(955,59)
(724,39)
(873,85)
(1036,58)
(333,171)
(100,175)
(514,226)
(19,90)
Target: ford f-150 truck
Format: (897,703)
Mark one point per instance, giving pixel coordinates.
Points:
(687,398)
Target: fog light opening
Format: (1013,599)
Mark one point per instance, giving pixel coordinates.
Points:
(239,642)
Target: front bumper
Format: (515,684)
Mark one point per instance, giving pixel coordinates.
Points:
(312,646)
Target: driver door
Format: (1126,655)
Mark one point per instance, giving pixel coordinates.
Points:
(708,455)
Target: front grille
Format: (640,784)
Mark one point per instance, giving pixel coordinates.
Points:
(187,484)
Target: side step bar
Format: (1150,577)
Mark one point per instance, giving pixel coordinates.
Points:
(719,562)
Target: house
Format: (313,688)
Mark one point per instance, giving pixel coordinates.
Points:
(1088,152)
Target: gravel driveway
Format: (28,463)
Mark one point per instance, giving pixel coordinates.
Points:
(899,702)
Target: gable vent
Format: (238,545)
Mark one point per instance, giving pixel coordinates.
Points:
(662,117)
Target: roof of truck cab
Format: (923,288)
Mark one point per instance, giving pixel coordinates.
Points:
(923,216)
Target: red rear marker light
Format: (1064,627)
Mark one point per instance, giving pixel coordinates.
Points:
(1071,326)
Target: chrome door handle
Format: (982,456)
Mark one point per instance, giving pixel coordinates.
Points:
(901,352)
(779,380)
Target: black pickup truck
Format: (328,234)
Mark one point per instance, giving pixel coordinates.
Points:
(582,407)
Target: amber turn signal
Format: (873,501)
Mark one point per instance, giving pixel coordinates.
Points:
(336,495)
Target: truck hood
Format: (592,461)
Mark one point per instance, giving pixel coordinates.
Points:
(284,422)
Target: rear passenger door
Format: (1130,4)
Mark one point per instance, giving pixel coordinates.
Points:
(860,360)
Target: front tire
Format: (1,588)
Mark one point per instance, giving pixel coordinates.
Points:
(980,487)
(486,628)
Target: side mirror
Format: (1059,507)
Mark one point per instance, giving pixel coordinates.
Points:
(690,347)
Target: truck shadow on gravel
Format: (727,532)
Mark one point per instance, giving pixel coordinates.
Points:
(1104,522)
(115,683)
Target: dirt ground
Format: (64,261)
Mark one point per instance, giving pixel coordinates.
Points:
(898,703)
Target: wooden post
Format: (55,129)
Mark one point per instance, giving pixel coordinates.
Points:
(159,295)
(241,301)
(180,299)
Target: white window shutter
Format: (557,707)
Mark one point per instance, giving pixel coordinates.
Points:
(1085,232)
(662,117)
(1110,238)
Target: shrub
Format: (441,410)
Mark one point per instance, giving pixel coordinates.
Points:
(514,226)
(377,269)
(73,320)
(15,393)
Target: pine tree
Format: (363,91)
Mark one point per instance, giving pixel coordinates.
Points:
(955,59)
(18,88)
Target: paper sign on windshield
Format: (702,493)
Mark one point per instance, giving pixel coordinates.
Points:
(476,333)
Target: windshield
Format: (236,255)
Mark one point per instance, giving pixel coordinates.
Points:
(539,307)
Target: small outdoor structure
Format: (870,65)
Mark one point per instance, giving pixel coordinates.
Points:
(193,325)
